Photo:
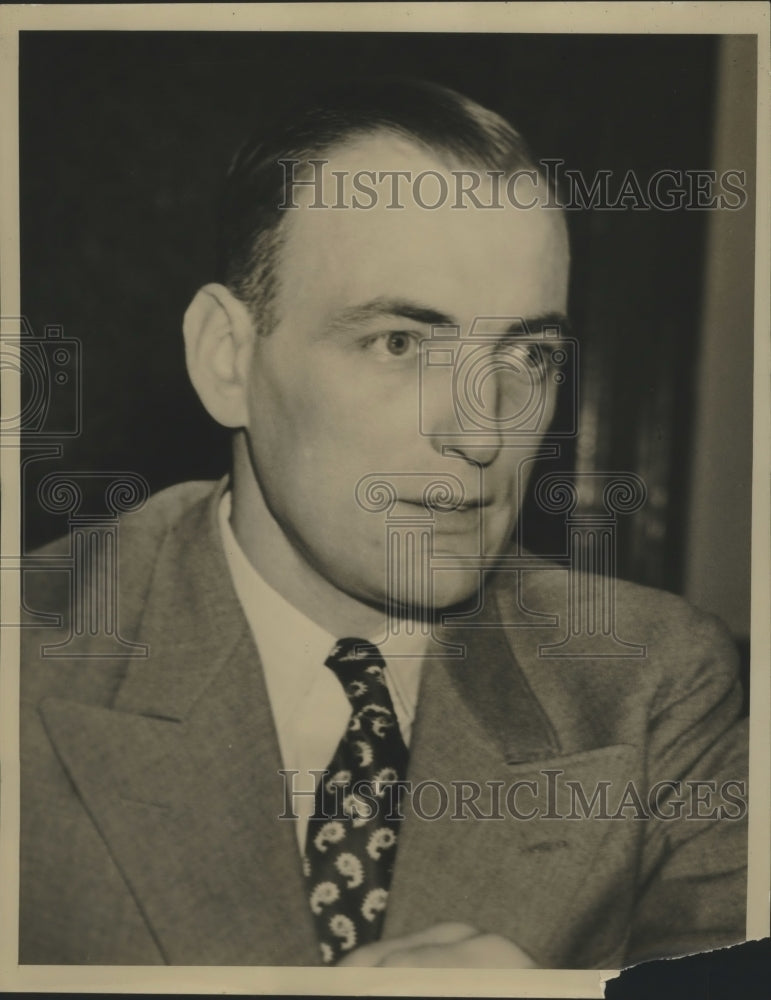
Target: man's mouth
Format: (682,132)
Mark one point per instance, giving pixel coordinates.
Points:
(473,504)
(451,506)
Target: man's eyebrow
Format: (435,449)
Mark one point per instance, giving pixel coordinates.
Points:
(381,306)
(426,315)
(557,321)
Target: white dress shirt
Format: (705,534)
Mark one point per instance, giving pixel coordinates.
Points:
(309,707)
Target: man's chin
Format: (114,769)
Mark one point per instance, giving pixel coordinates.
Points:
(452,589)
(445,590)
(422,599)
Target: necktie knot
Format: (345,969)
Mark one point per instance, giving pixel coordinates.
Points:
(359,667)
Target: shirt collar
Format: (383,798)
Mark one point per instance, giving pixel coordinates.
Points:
(293,646)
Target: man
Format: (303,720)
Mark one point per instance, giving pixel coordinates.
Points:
(305,638)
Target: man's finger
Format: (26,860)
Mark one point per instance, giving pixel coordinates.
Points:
(443,934)
(480,951)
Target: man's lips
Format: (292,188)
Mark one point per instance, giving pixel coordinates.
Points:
(450,506)
(466,512)
(466,520)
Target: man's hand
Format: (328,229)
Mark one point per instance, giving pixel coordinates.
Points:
(443,946)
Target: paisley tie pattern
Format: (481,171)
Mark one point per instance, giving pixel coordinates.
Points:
(353,836)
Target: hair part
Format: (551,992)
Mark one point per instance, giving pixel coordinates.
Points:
(435,117)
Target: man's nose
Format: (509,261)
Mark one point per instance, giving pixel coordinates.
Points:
(465,422)
(480,450)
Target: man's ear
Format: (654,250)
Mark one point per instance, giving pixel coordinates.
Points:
(219,332)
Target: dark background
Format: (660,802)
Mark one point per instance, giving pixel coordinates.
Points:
(124,139)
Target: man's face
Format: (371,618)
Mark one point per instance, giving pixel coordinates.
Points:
(338,391)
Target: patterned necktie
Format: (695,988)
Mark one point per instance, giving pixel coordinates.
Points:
(352,838)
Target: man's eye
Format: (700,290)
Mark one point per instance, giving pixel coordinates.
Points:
(394,344)
(399,343)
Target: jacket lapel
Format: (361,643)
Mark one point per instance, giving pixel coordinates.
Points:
(480,722)
(181,775)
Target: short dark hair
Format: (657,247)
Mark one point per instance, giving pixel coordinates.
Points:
(427,114)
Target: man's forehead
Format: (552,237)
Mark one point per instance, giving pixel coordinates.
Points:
(377,156)
(392,184)
(356,245)
(384,149)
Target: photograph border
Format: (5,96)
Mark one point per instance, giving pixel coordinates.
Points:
(621,18)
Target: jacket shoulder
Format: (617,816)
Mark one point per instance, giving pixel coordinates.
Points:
(673,638)
(52,588)
(140,534)
(645,612)
(654,661)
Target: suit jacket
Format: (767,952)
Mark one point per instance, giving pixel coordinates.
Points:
(150,787)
